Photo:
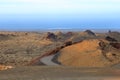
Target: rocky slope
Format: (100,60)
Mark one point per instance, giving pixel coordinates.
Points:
(18,48)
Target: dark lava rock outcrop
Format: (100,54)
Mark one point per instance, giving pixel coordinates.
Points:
(50,36)
(115,35)
(89,32)
(111,39)
(115,45)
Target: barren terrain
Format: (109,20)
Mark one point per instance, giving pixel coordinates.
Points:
(59,55)
(60,73)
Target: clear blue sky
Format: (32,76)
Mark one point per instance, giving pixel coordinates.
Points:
(59,14)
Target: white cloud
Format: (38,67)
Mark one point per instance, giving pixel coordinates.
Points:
(59,6)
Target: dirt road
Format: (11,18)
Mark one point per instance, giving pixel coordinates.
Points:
(47,60)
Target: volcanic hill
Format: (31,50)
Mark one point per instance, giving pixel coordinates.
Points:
(90,53)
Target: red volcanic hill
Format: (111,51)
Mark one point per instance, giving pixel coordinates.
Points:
(89,53)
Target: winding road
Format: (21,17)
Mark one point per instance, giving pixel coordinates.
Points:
(47,57)
(47,60)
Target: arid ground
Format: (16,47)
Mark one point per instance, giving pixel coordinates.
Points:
(59,73)
(59,55)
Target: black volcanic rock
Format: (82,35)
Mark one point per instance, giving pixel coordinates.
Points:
(50,36)
(115,45)
(68,43)
(89,32)
(108,38)
(115,35)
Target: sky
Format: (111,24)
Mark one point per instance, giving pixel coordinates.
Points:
(59,14)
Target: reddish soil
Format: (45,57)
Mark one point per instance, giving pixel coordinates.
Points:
(88,53)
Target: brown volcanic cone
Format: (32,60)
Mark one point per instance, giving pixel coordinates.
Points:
(88,53)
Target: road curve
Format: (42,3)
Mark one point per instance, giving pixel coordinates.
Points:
(47,57)
(47,60)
